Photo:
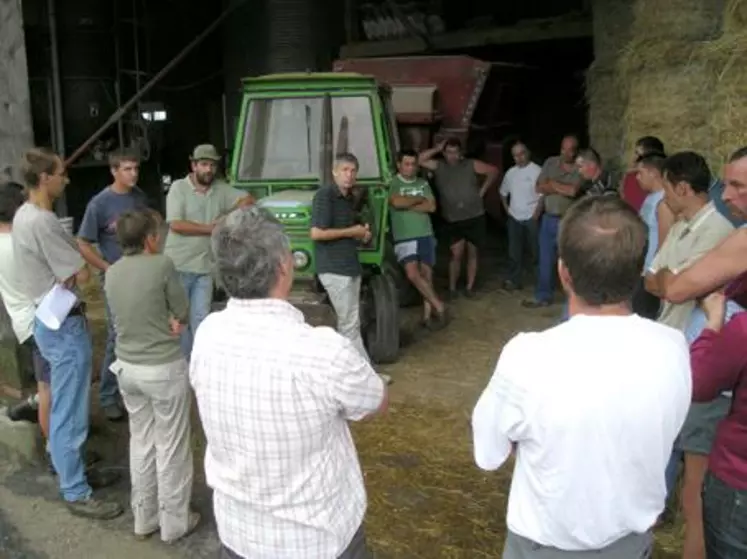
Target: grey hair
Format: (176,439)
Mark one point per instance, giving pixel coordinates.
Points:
(250,247)
(346,157)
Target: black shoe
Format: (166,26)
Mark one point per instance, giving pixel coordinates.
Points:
(439,320)
(24,411)
(452,295)
(95,508)
(99,479)
(508,285)
(470,293)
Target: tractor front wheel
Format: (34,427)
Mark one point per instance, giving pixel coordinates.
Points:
(381,319)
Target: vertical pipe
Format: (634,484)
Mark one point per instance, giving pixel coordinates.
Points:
(118,73)
(136,44)
(59,139)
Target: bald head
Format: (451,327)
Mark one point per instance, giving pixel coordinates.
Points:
(602,247)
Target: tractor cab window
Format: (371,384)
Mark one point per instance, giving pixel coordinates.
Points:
(284,138)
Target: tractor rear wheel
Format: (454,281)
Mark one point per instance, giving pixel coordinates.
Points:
(381,322)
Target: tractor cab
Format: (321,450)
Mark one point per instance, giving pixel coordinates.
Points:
(290,129)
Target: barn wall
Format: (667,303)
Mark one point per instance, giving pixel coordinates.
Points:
(16,132)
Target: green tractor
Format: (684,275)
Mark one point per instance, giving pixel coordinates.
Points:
(290,129)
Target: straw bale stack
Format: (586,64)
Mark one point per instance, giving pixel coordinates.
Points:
(606,97)
(686,20)
(728,116)
(611,21)
(735,17)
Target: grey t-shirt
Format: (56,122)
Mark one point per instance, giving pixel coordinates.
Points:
(557,204)
(191,253)
(44,253)
(459,191)
(143,292)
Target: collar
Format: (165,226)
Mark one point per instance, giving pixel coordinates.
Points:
(408,181)
(697,220)
(197,189)
(266,307)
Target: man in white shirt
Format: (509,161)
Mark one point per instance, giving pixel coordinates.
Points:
(522,204)
(275,396)
(20,308)
(591,407)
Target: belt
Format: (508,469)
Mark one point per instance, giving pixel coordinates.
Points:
(78,310)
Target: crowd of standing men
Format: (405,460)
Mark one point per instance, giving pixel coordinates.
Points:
(599,410)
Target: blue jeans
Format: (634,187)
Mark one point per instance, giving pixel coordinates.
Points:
(724,519)
(548,258)
(199,288)
(68,351)
(520,234)
(108,387)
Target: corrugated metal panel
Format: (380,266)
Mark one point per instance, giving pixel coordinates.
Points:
(292,44)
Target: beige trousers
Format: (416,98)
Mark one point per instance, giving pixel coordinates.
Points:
(158,401)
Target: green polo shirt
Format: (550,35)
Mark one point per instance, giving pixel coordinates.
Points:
(191,253)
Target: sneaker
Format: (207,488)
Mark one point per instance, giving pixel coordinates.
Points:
(439,320)
(194,521)
(24,411)
(387,378)
(114,412)
(95,508)
(534,304)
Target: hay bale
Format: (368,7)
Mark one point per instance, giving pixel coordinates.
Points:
(606,96)
(611,23)
(673,104)
(728,118)
(677,19)
(735,16)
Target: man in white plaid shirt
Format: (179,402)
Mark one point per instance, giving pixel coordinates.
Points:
(275,396)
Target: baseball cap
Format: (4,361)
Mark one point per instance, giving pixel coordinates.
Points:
(205,151)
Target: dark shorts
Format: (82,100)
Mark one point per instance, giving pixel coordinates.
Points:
(700,426)
(39,365)
(421,249)
(470,230)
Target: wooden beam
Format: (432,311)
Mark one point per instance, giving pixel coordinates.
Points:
(526,32)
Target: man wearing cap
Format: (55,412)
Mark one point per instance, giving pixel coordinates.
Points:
(193,205)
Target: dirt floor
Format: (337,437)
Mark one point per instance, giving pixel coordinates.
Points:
(427,498)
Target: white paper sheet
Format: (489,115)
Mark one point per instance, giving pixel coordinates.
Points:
(56,305)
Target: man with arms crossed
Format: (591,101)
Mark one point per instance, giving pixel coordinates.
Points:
(414,243)
(46,255)
(522,204)
(275,397)
(559,183)
(193,205)
(99,226)
(592,424)
(461,199)
(687,180)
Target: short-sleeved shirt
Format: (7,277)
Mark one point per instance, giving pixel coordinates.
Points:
(632,193)
(20,308)
(191,253)
(99,223)
(332,210)
(143,292)
(520,187)
(686,242)
(557,204)
(458,190)
(45,254)
(410,224)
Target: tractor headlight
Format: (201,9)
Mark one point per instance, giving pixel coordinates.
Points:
(300,259)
